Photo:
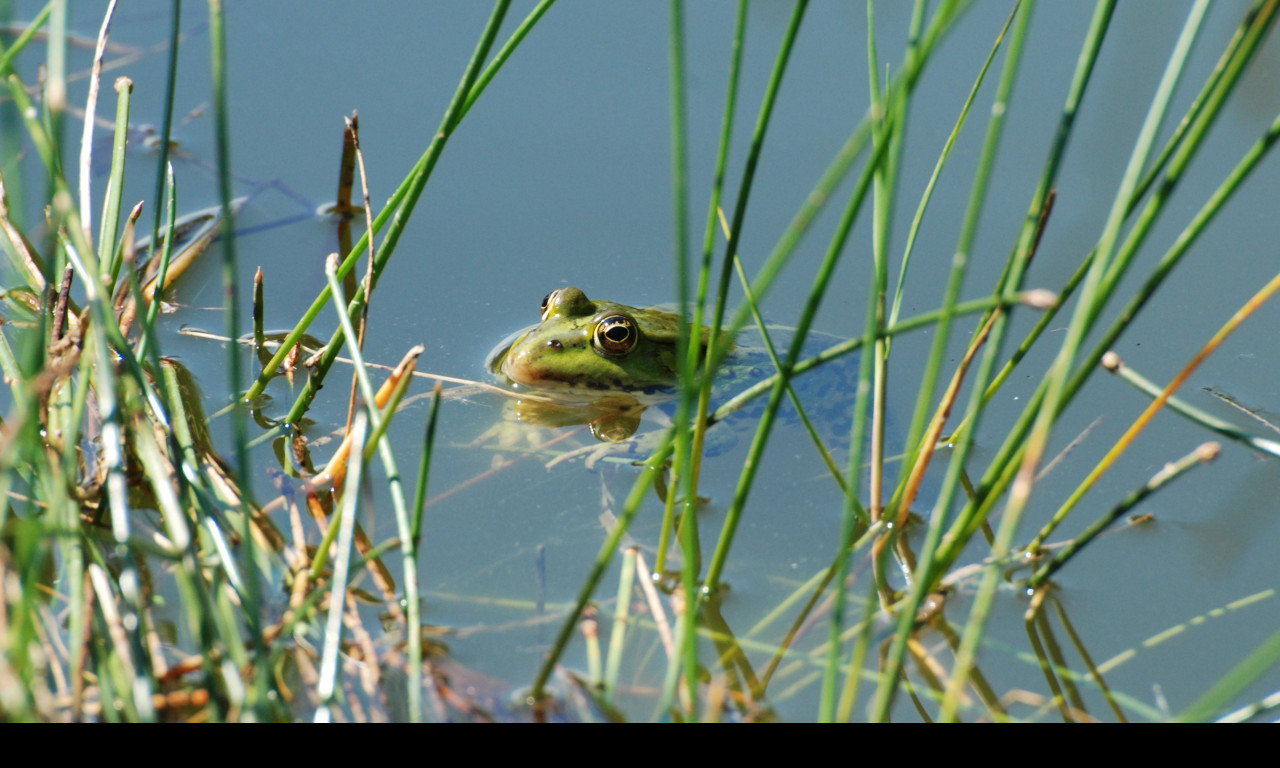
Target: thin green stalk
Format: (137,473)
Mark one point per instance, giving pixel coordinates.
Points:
(733,517)
(111,254)
(1195,415)
(959,269)
(886,130)
(166,255)
(408,537)
(428,447)
(974,628)
(62,203)
(164,170)
(849,346)
(1000,473)
(639,490)
(258,699)
(33,28)
(618,633)
(198,594)
(687,658)
(55,100)
(1241,676)
(852,523)
(922,585)
(857,659)
(1203,453)
(714,340)
(899,103)
(400,205)
(113,442)
(969,220)
(327,689)
(1192,117)
(772,352)
(1126,440)
(926,390)
(687,459)
(835,173)
(713,354)
(1256,33)
(517,36)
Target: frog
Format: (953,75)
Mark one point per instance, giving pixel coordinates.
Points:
(604,364)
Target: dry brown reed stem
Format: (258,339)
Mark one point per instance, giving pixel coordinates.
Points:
(336,469)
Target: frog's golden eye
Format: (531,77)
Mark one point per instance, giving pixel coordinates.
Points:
(546,302)
(615,336)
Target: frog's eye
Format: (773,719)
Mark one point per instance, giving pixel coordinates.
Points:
(615,336)
(546,302)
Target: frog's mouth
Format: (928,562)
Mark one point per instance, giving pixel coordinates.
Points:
(495,363)
(524,372)
(521,370)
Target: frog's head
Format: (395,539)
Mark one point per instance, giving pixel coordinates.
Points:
(585,348)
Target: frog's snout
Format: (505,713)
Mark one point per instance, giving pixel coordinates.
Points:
(524,362)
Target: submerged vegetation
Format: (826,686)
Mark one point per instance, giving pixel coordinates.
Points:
(142,579)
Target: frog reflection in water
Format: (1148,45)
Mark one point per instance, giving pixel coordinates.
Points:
(602,363)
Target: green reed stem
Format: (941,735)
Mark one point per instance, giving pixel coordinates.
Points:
(639,490)
(198,600)
(55,100)
(840,166)
(401,205)
(722,293)
(86,141)
(687,657)
(258,696)
(1250,669)
(327,688)
(63,203)
(969,221)
(166,255)
(980,611)
(19,43)
(733,517)
(114,400)
(687,455)
(785,49)
(1192,413)
(926,390)
(408,535)
(164,171)
(111,253)
(618,632)
(428,447)
(1204,453)
(1000,473)
(744,195)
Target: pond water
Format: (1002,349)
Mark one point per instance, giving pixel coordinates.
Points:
(560,175)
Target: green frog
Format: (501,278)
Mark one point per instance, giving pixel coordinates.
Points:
(602,363)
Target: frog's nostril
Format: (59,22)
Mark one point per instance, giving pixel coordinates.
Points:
(555,344)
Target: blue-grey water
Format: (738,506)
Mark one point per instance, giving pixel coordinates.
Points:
(560,175)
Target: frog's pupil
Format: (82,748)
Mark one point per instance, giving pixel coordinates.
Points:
(615,335)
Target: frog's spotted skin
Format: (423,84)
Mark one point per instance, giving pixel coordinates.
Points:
(584,348)
(599,353)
